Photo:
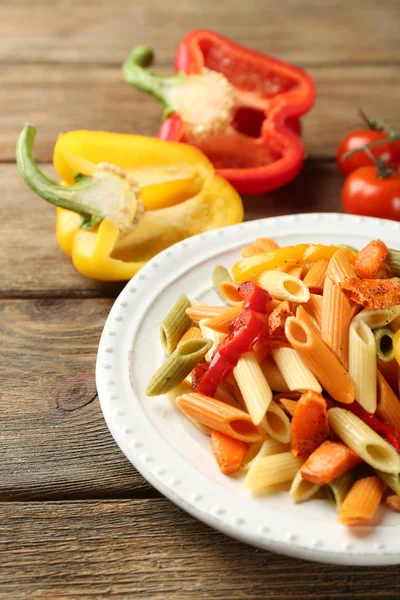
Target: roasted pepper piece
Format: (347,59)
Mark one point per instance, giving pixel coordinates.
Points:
(239,106)
(101,218)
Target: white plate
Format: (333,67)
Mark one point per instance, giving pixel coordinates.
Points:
(170,452)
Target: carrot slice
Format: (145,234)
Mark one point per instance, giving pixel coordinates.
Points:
(228,452)
(277,320)
(372,293)
(309,424)
(330,460)
(370,260)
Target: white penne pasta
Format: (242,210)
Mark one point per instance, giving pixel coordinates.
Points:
(186,388)
(276,423)
(395,324)
(379,317)
(284,286)
(215,336)
(362,364)
(367,444)
(274,377)
(297,376)
(301,489)
(272,470)
(254,387)
(267,448)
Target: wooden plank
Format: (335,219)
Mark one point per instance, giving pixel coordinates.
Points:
(94,97)
(151,549)
(305,32)
(54,441)
(32,264)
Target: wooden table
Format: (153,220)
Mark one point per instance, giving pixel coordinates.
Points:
(77,520)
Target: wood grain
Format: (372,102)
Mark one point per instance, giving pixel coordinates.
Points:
(54,441)
(151,549)
(306,32)
(31,263)
(67,97)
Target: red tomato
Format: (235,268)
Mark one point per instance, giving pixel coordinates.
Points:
(389,152)
(365,193)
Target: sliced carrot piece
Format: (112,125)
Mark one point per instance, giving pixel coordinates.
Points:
(228,452)
(309,424)
(330,460)
(370,260)
(277,320)
(372,293)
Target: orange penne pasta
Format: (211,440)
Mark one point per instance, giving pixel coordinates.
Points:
(390,371)
(362,501)
(192,333)
(274,377)
(203,311)
(321,361)
(315,277)
(220,416)
(229,292)
(223,321)
(335,321)
(225,397)
(388,404)
(303,315)
(288,405)
(340,268)
(251,250)
(296,271)
(266,244)
(314,308)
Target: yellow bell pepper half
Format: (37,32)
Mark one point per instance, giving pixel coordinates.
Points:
(131,197)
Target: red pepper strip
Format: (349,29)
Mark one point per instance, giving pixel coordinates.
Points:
(248,328)
(387,430)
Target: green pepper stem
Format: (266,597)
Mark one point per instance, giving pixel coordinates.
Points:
(48,189)
(135,73)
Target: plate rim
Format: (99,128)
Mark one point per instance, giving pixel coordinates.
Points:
(105,368)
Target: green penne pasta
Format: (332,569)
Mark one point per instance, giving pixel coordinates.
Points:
(391,480)
(338,489)
(175,324)
(220,274)
(178,366)
(384,343)
(393,262)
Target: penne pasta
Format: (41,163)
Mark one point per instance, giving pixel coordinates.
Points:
(215,336)
(284,286)
(229,292)
(185,388)
(288,405)
(335,321)
(222,322)
(340,268)
(253,385)
(388,404)
(219,275)
(395,324)
(379,317)
(384,343)
(266,244)
(362,364)
(268,447)
(178,366)
(315,277)
(360,438)
(276,423)
(394,262)
(314,308)
(175,324)
(223,395)
(338,489)
(320,360)
(297,376)
(193,333)
(220,416)
(390,371)
(294,271)
(303,315)
(391,480)
(199,312)
(302,490)
(272,470)
(274,377)
(362,501)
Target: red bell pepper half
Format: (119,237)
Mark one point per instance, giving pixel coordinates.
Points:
(240,107)
(250,326)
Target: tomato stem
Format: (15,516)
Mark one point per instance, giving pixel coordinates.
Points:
(393,137)
(376,124)
(383,171)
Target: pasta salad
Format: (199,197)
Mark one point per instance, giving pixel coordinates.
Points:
(295,378)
